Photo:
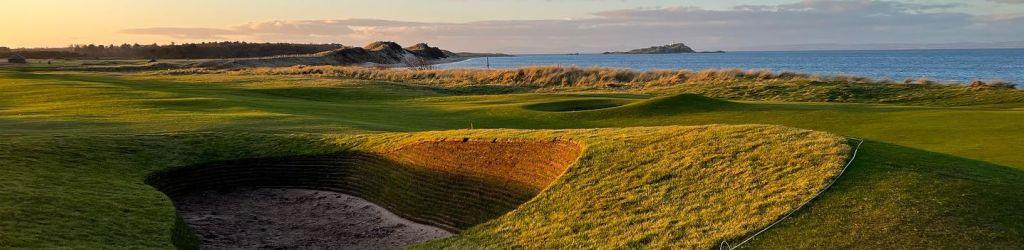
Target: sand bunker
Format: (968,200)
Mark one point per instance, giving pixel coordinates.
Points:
(446,184)
(297,218)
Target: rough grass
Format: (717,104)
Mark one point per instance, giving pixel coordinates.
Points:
(73,151)
(720,83)
(528,163)
(543,76)
(667,187)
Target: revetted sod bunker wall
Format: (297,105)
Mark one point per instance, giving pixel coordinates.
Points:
(448,184)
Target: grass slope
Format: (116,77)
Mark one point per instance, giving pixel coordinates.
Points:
(930,176)
(898,197)
(96,181)
(689,187)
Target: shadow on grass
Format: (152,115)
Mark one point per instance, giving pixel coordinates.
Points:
(899,197)
(576,105)
(36,126)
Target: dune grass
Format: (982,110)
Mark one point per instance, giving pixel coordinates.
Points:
(543,76)
(936,177)
(762,85)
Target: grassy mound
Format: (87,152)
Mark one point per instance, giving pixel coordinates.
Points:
(624,179)
(678,187)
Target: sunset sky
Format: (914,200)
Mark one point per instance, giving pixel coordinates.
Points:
(517,26)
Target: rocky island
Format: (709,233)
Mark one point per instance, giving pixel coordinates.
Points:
(666,49)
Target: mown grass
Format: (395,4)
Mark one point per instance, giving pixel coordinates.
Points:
(938,177)
(899,197)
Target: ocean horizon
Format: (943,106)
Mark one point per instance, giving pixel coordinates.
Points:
(944,65)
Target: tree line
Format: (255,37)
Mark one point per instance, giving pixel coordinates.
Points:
(203,50)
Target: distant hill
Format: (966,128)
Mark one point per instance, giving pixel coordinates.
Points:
(380,53)
(666,49)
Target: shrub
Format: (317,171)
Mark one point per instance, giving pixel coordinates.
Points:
(978,84)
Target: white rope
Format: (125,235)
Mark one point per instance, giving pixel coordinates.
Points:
(116,134)
(726,245)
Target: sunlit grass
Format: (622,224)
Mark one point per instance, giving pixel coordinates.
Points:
(686,187)
(638,176)
(73,160)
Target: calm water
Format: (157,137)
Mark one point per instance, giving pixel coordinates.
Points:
(948,65)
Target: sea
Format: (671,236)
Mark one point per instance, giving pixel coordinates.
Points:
(946,65)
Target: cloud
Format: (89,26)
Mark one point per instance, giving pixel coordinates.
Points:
(183,33)
(748,26)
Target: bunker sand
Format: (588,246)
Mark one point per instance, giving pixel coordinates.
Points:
(297,218)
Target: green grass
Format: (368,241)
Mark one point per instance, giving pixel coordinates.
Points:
(88,191)
(896,197)
(942,175)
(688,187)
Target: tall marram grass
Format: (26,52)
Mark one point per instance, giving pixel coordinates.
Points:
(734,84)
(558,76)
(546,76)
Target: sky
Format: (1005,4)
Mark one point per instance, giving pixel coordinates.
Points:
(516,26)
